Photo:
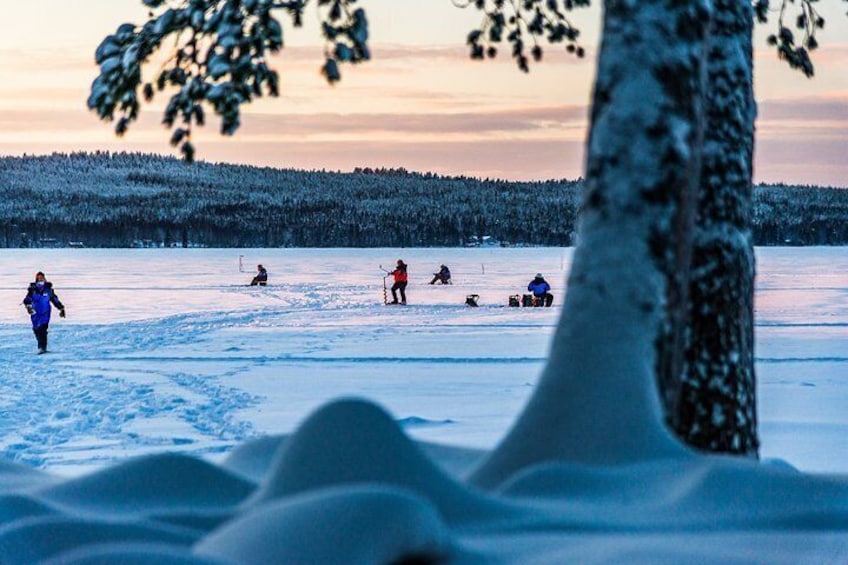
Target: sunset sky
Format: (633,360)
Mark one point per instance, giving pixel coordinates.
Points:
(420,103)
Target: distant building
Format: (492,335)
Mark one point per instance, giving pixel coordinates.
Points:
(485,241)
(49,242)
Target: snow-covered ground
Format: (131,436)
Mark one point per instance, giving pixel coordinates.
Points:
(167,350)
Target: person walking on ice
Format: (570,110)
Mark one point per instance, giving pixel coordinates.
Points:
(401,279)
(39,297)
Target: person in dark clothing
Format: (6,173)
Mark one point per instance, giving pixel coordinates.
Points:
(443,276)
(39,297)
(541,291)
(261,277)
(401,279)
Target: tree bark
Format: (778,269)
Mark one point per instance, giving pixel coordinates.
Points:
(717,410)
(597,401)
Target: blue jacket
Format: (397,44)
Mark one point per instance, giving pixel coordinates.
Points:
(539,286)
(261,276)
(40,298)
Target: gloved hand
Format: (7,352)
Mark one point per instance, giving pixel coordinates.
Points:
(62,313)
(30,310)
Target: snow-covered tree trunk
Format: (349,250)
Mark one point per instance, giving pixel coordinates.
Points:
(597,400)
(716,410)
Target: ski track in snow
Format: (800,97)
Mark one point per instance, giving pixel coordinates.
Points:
(101,382)
(80,401)
(69,399)
(195,366)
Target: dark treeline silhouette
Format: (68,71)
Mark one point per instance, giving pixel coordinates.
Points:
(118,200)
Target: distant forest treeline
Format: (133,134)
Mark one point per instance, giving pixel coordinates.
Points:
(121,200)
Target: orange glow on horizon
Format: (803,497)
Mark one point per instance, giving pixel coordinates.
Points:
(415,104)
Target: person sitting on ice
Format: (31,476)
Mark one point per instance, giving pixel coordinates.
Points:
(443,276)
(261,278)
(541,291)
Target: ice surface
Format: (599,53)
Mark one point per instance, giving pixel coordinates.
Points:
(184,418)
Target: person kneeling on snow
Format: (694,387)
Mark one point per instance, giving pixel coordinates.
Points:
(39,297)
(541,291)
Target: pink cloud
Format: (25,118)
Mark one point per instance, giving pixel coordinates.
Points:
(298,125)
(832,108)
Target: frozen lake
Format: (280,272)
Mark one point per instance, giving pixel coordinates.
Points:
(167,349)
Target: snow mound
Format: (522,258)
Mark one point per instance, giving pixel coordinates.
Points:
(18,506)
(253,458)
(14,476)
(707,493)
(366,524)
(35,539)
(349,486)
(352,441)
(151,485)
(131,554)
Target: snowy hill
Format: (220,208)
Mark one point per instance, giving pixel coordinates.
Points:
(125,200)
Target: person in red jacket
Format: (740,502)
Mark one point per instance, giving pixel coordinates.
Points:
(401,278)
